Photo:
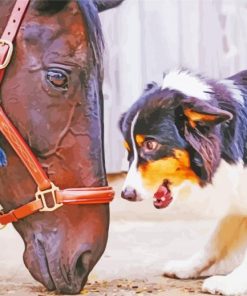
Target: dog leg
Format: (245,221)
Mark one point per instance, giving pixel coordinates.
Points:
(233,284)
(221,255)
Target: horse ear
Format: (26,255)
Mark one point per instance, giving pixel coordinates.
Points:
(106,4)
(3,158)
(200,111)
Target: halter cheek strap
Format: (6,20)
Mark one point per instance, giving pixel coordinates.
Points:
(46,189)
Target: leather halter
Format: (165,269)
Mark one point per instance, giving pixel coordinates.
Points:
(86,195)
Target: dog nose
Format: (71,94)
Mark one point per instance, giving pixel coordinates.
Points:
(129,193)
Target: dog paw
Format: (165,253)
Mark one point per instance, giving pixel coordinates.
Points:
(182,269)
(225,285)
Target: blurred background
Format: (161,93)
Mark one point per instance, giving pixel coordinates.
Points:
(146,38)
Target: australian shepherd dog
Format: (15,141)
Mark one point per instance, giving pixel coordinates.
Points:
(189,135)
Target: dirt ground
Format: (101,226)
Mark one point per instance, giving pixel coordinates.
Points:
(141,240)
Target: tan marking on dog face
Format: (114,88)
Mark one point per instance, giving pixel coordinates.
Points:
(175,169)
(140,139)
(126,145)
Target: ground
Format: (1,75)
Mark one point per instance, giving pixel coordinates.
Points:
(141,240)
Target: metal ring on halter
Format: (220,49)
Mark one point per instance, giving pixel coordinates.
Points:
(7,59)
(2,226)
(40,194)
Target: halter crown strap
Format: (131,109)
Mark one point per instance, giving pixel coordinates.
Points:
(45,186)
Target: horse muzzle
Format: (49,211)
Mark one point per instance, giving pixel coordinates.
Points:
(60,276)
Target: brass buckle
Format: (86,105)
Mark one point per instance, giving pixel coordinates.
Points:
(41,195)
(2,226)
(9,54)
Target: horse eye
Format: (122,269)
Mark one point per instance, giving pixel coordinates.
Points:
(58,78)
(150,145)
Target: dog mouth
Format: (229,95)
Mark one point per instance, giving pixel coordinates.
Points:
(162,197)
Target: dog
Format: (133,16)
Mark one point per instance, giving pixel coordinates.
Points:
(186,136)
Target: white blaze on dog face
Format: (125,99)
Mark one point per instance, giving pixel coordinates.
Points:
(133,178)
(187,83)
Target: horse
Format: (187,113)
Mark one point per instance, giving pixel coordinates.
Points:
(52,94)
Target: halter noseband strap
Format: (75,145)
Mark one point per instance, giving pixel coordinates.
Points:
(86,195)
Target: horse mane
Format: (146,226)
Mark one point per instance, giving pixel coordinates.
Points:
(95,35)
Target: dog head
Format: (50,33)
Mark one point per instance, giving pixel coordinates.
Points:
(173,137)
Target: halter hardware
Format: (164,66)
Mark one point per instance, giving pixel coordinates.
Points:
(7,59)
(40,194)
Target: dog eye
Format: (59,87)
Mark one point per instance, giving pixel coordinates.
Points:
(58,78)
(150,145)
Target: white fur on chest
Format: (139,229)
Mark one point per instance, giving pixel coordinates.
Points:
(227,193)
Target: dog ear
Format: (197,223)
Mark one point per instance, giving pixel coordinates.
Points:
(3,158)
(202,134)
(200,111)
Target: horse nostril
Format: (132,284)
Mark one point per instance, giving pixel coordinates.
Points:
(76,277)
(82,267)
(129,193)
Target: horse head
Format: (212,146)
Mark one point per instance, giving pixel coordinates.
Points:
(52,93)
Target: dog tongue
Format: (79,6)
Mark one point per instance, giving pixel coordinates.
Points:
(162,197)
